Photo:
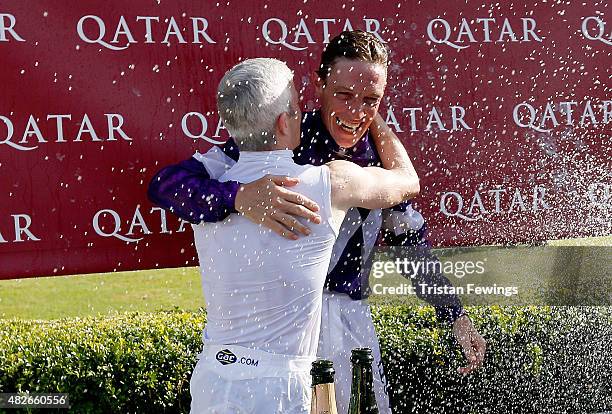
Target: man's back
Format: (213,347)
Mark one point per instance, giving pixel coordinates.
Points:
(263,291)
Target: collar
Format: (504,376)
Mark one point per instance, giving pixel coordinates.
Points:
(266,157)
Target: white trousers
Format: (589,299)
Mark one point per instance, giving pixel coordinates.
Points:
(347,324)
(230,379)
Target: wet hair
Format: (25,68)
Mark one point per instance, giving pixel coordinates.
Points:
(250,97)
(353,45)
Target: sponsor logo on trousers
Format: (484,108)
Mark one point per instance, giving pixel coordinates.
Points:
(227,357)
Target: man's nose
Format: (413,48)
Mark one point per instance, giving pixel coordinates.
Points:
(358,110)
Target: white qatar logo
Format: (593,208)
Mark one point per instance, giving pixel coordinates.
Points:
(526,115)
(21,225)
(293,37)
(199,130)
(497,201)
(440,31)
(198,28)
(7,28)
(32,136)
(599,33)
(434,119)
(600,194)
(137,221)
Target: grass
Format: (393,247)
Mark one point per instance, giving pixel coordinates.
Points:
(101,293)
(145,290)
(593,241)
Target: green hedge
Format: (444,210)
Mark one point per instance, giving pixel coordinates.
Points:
(539,360)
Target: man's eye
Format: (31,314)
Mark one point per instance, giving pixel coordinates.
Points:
(371,101)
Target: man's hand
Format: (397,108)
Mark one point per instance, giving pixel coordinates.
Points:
(268,203)
(473,345)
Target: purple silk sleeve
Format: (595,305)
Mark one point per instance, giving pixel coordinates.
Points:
(187,190)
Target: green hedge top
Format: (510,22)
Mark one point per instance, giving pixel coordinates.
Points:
(539,360)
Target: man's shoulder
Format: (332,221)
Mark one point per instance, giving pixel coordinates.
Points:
(228,150)
(309,173)
(313,180)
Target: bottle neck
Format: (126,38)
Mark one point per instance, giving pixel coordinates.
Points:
(323,399)
(323,377)
(363,398)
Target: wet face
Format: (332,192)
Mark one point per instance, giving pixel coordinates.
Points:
(350,97)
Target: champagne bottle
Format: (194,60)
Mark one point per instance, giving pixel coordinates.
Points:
(363,399)
(323,392)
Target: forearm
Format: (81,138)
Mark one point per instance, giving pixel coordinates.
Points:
(430,285)
(392,152)
(392,186)
(428,279)
(186,190)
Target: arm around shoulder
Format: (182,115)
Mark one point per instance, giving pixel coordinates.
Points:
(187,190)
(392,152)
(369,187)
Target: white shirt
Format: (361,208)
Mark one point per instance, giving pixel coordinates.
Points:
(263,291)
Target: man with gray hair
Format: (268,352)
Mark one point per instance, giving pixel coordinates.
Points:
(264,294)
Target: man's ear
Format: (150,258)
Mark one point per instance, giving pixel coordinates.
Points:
(282,124)
(318,83)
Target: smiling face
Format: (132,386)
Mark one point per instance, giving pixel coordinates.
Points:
(350,97)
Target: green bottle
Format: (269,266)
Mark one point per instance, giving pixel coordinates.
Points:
(323,392)
(363,399)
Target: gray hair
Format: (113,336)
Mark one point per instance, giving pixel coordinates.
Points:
(250,97)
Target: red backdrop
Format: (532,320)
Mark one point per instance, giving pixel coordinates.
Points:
(505,109)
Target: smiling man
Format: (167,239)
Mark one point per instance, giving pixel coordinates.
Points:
(264,293)
(350,92)
(350,84)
